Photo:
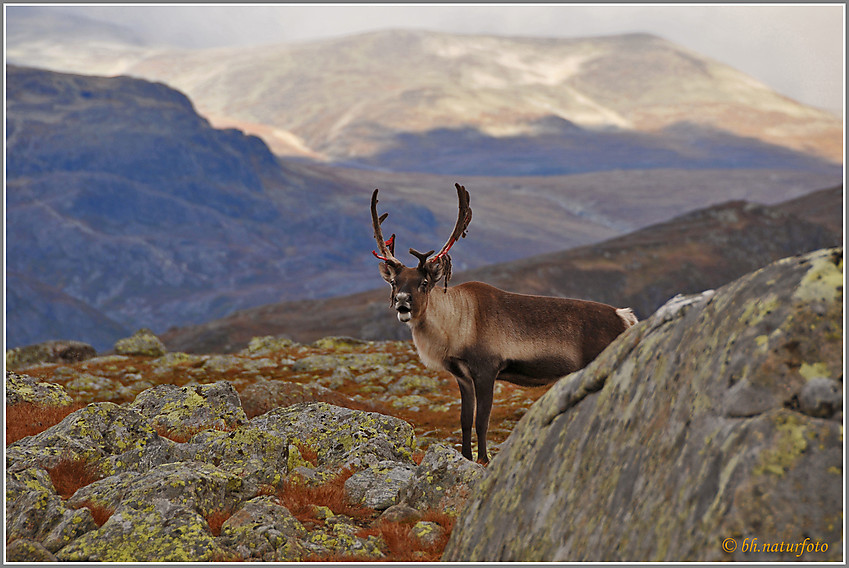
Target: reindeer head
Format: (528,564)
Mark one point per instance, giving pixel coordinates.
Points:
(411,286)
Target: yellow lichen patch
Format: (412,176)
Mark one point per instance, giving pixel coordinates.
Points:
(823,281)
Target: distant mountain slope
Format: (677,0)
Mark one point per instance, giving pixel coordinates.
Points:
(697,251)
(121,197)
(481,105)
(36,313)
(350,98)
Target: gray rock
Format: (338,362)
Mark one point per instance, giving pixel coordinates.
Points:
(25,550)
(143,343)
(48,352)
(427,533)
(33,509)
(264,530)
(641,456)
(821,397)
(74,523)
(341,435)
(442,482)
(23,388)
(113,438)
(185,411)
(252,454)
(377,487)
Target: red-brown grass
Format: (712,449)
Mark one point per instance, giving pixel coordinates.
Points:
(308,453)
(70,474)
(300,499)
(100,513)
(28,419)
(216,519)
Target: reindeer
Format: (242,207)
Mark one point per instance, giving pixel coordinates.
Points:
(479,333)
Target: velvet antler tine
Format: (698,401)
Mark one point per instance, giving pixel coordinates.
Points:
(464,217)
(386,248)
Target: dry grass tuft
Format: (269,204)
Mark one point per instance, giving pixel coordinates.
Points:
(216,519)
(302,499)
(27,419)
(70,474)
(100,513)
(308,453)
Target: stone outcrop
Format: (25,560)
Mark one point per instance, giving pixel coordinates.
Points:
(143,342)
(717,420)
(163,468)
(49,352)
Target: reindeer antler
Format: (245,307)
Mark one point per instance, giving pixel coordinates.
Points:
(464,217)
(386,248)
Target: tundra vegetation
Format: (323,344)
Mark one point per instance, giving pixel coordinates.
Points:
(717,417)
(368,471)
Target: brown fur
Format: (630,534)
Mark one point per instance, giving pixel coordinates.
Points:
(479,333)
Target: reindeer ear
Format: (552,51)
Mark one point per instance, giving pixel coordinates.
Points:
(387,271)
(436,270)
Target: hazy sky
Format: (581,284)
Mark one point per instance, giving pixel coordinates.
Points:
(796,49)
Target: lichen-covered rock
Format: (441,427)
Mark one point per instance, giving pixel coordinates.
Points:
(143,343)
(264,530)
(356,361)
(428,533)
(48,352)
(85,387)
(443,481)
(254,455)
(262,396)
(680,435)
(184,411)
(74,523)
(160,515)
(23,388)
(160,532)
(338,343)
(25,550)
(33,509)
(342,436)
(267,345)
(340,539)
(111,437)
(377,487)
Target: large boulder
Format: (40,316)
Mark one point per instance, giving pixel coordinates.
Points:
(686,440)
(143,343)
(341,436)
(181,412)
(23,388)
(56,351)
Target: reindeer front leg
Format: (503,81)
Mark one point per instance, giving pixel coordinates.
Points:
(483,398)
(467,412)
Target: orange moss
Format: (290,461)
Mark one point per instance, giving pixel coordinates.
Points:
(27,419)
(70,474)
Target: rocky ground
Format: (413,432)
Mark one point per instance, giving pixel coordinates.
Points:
(340,449)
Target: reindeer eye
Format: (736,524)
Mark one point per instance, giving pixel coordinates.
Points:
(424,283)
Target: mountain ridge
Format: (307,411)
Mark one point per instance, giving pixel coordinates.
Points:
(344,99)
(699,250)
